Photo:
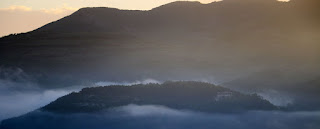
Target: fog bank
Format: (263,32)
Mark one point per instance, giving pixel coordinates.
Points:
(159,117)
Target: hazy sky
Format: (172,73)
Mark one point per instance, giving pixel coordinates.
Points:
(123,4)
(25,15)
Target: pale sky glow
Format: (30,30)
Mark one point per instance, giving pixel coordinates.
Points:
(122,4)
(19,18)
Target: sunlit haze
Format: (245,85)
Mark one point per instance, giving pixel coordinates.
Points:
(159,64)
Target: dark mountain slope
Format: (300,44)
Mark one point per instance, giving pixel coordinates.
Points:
(221,41)
(197,96)
(155,105)
(176,96)
(229,14)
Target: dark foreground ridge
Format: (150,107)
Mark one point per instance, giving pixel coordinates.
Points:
(110,107)
(196,96)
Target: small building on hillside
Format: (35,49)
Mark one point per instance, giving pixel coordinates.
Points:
(223,95)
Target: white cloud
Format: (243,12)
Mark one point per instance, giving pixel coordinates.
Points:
(16,8)
(149,110)
(208,1)
(59,10)
(108,83)
(18,103)
(284,0)
(277,98)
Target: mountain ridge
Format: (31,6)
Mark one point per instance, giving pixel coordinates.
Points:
(221,41)
(184,6)
(202,97)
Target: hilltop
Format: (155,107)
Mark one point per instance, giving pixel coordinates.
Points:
(196,96)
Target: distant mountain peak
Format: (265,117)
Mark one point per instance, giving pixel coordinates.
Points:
(87,10)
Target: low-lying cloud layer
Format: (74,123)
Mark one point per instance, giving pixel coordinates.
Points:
(108,83)
(20,93)
(19,103)
(159,117)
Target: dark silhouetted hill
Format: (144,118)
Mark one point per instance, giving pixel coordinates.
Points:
(196,96)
